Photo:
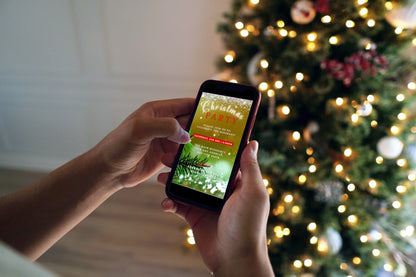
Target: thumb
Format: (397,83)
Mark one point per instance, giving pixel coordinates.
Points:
(250,171)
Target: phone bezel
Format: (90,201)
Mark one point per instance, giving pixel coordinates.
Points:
(194,197)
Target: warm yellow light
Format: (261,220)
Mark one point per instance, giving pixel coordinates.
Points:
(379,160)
(313,240)
(264,63)
(292,34)
(342,209)
(307,262)
(352,219)
(302,179)
(244,33)
(371,23)
(312,227)
(309,151)
(414,41)
(270,191)
(351,187)
(283,32)
(189,233)
(401,189)
(322,246)
(278,84)
(411,177)
(348,152)
(376,252)
(401,116)
(372,183)
(361,2)
(363,12)
(254,2)
(285,110)
(355,118)
(297,264)
(396,204)
(408,231)
(312,168)
(350,24)
(233,81)
(270,93)
(239,25)
(370,98)
(191,240)
(299,76)
(388,267)
(398,30)
(266,182)
(280,23)
(401,162)
(374,123)
(411,85)
(293,88)
(364,238)
(229,57)
(394,130)
(339,168)
(326,19)
(333,40)
(295,209)
(388,5)
(311,46)
(296,135)
(312,36)
(356,260)
(288,198)
(339,101)
(400,97)
(263,86)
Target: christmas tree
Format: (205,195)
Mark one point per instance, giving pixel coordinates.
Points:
(335,128)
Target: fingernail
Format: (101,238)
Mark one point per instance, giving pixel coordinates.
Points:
(185,136)
(254,148)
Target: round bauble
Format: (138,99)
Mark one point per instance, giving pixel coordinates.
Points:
(333,239)
(303,12)
(364,109)
(253,70)
(390,147)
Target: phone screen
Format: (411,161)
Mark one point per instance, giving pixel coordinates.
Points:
(207,161)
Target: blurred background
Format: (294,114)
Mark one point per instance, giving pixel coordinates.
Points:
(70,72)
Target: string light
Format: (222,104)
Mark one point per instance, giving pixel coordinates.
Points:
(394,130)
(285,110)
(411,85)
(313,240)
(309,151)
(364,238)
(351,187)
(372,183)
(239,25)
(278,84)
(352,219)
(379,160)
(264,63)
(401,189)
(296,135)
(401,116)
(266,182)
(363,12)
(292,34)
(233,81)
(411,177)
(191,238)
(376,252)
(311,227)
(312,36)
(401,162)
(333,40)
(283,32)
(270,93)
(356,260)
(388,5)
(371,23)
(293,88)
(322,246)
(280,23)
(229,57)
(311,46)
(414,41)
(295,209)
(297,264)
(400,97)
(302,179)
(348,152)
(326,19)
(312,168)
(408,231)
(288,198)
(339,101)
(396,204)
(349,23)
(254,2)
(361,2)
(354,118)
(244,33)
(388,267)
(339,168)
(263,86)
(342,209)
(299,76)
(307,262)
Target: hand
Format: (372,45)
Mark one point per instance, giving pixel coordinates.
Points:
(234,242)
(132,152)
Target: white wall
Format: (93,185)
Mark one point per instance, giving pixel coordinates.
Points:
(71,70)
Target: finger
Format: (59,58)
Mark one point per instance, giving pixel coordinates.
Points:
(162,178)
(146,129)
(168,159)
(181,210)
(250,171)
(183,120)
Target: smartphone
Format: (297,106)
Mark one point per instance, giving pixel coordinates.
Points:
(219,128)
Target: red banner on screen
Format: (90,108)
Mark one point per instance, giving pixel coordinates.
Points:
(229,143)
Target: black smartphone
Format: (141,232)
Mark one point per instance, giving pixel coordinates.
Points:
(220,126)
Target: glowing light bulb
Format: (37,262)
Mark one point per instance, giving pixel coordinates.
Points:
(283,32)
(296,135)
(370,98)
(233,81)
(311,227)
(239,25)
(244,33)
(311,46)
(361,2)
(229,57)
(280,23)
(339,101)
(295,209)
(364,238)
(376,252)
(333,40)
(263,86)
(363,12)
(339,168)
(312,36)
(342,209)
(352,219)
(312,168)
(191,240)
(379,160)
(302,179)
(264,63)
(414,41)
(372,183)
(401,189)
(349,23)
(401,116)
(278,84)
(313,240)
(309,151)
(400,97)
(371,23)
(356,260)
(293,88)
(270,93)
(388,267)
(396,204)
(299,76)
(394,130)
(288,198)
(401,162)
(354,118)
(411,85)
(374,123)
(322,246)
(326,19)
(411,177)
(266,182)
(285,110)
(398,30)
(388,5)
(292,34)
(254,2)
(297,264)
(348,152)
(307,262)
(351,187)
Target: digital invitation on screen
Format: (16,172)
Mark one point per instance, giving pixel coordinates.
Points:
(207,160)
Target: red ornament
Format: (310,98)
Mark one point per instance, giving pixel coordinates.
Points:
(322,6)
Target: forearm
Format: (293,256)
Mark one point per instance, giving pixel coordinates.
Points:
(35,217)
